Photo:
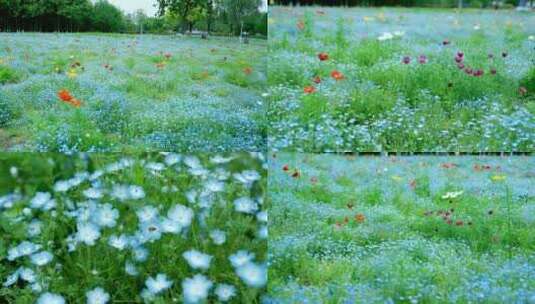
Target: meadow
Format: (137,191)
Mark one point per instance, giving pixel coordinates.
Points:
(394,79)
(346,229)
(112,92)
(139,228)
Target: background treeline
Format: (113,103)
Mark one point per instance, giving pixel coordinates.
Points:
(409,3)
(216,16)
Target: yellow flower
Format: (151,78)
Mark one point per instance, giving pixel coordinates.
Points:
(497,178)
(72,73)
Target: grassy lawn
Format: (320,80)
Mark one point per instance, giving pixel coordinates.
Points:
(141,228)
(401,80)
(401,229)
(110,92)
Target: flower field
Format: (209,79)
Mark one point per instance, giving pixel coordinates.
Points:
(153,228)
(109,92)
(346,229)
(401,80)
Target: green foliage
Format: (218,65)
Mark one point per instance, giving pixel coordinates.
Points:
(107,17)
(368,104)
(8,75)
(528,82)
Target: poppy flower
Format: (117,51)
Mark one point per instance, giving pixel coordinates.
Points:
(459,223)
(422,59)
(460,65)
(296,174)
(337,75)
(317,79)
(247,70)
(523,91)
(445,42)
(168,56)
(309,89)
(323,56)
(406,60)
(478,73)
(460,54)
(360,218)
(493,71)
(469,71)
(65,95)
(458,59)
(285,168)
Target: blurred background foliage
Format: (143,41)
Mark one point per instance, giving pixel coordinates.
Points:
(410,3)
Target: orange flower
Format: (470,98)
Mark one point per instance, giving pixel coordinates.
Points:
(65,95)
(337,75)
(248,70)
(323,56)
(360,217)
(309,89)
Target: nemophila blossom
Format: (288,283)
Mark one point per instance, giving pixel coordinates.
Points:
(87,233)
(25,248)
(225,292)
(196,289)
(93,193)
(309,89)
(34,228)
(197,259)
(169,226)
(140,254)
(252,274)
(130,269)
(50,298)
(106,216)
(218,159)
(158,284)
(181,214)
(247,177)
(336,75)
(150,231)
(22,273)
(218,236)
(323,56)
(41,258)
(147,214)
(241,258)
(155,167)
(43,201)
(119,242)
(214,186)
(262,216)
(263,232)
(97,296)
(245,205)
(172,159)
(385,36)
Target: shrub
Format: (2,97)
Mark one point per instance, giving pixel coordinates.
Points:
(8,75)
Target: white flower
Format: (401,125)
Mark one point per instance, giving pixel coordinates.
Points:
(97,296)
(14,171)
(151,231)
(87,233)
(225,292)
(531,37)
(41,258)
(218,159)
(247,177)
(27,275)
(241,258)
(118,242)
(385,36)
(120,192)
(170,226)
(11,279)
(158,284)
(62,186)
(214,186)
(181,215)
(196,289)
(252,274)
(136,192)
(50,298)
(197,259)
(106,216)
(43,201)
(171,159)
(153,166)
(23,249)
(93,193)
(451,195)
(218,236)
(193,162)
(245,205)
(141,254)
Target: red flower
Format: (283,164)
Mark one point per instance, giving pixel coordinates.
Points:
(458,59)
(422,59)
(296,174)
(478,73)
(360,218)
(337,75)
(309,89)
(460,54)
(317,79)
(323,56)
(460,65)
(248,70)
(406,60)
(468,71)
(459,223)
(65,95)
(285,168)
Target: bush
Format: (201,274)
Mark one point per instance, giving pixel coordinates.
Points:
(8,75)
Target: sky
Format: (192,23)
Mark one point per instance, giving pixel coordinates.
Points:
(131,6)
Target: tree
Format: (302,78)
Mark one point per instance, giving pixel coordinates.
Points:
(107,18)
(187,10)
(238,9)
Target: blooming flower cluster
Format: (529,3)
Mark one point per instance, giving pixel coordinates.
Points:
(192,228)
